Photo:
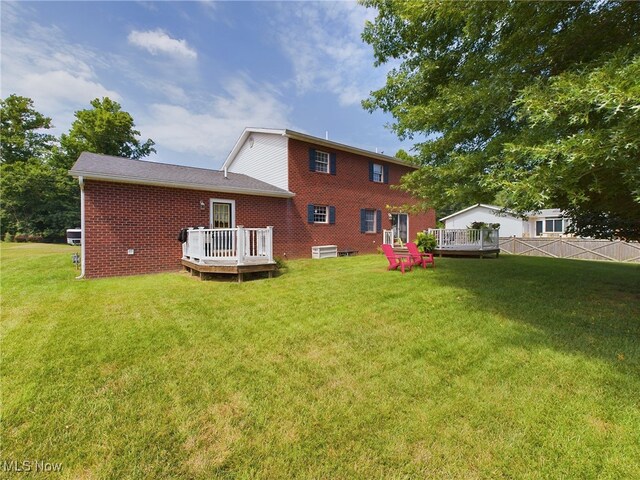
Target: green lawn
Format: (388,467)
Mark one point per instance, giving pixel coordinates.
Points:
(511,368)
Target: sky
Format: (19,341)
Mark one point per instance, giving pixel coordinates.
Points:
(193,75)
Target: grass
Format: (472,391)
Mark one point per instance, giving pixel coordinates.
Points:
(518,367)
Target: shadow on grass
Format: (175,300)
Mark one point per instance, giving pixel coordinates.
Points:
(589,308)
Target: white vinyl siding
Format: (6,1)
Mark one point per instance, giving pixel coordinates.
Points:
(264,156)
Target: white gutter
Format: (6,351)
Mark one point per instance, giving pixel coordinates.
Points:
(82,237)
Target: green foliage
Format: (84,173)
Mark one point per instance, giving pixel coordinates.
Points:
(483,225)
(426,242)
(37,199)
(21,136)
(104,129)
(532,103)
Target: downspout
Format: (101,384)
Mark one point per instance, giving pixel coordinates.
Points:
(82,236)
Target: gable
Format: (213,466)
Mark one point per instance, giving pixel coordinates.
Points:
(262,156)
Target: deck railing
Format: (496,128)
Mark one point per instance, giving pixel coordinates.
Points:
(387,237)
(466,238)
(239,245)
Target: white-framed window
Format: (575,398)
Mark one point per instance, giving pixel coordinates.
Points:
(369,221)
(553,225)
(322,162)
(378,173)
(320,214)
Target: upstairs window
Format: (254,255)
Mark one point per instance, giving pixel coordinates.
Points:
(322,162)
(378,173)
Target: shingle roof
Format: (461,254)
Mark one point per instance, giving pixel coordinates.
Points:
(126,170)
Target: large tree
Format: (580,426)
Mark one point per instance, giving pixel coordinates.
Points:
(528,104)
(22,130)
(105,129)
(38,195)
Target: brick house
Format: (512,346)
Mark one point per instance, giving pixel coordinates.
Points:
(308,190)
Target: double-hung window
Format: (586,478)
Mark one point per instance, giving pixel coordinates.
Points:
(322,162)
(369,221)
(378,173)
(320,214)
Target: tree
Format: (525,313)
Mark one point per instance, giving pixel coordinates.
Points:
(529,104)
(21,136)
(104,129)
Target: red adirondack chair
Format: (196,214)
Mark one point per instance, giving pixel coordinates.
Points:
(395,260)
(418,258)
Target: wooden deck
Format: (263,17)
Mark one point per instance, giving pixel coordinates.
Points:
(228,267)
(466,252)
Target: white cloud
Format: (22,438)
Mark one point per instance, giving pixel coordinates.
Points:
(215,127)
(322,41)
(158,41)
(37,62)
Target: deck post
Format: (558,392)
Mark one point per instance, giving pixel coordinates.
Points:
(269,245)
(240,244)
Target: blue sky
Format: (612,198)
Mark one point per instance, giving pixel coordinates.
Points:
(194,74)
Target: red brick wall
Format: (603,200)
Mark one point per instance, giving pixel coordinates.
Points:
(148,219)
(349,191)
(121,216)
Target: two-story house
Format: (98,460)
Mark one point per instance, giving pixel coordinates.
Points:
(309,191)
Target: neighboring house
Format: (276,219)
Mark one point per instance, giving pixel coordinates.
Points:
(312,191)
(546,223)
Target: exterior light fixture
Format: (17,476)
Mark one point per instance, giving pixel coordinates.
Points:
(201,204)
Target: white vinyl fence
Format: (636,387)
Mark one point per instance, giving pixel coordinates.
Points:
(580,248)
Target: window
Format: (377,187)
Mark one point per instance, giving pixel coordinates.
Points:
(553,225)
(378,173)
(322,162)
(320,214)
(369,221)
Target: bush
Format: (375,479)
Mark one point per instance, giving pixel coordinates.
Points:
(481,225)
(426,242)
(21,237)
(8,237)
(280,262)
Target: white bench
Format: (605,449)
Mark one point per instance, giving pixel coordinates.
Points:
(324,251)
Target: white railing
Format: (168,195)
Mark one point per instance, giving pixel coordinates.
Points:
(466,238)
(387,237)
(240,245)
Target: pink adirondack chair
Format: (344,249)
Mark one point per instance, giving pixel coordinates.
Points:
(395,260)
(419,258)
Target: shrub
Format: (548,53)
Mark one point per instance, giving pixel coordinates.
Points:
(8,237)
(280,262)
(21,237)
(426,242)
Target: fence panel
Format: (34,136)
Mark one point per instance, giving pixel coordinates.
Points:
(580,248)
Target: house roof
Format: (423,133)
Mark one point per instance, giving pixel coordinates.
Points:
(310,139)
(491,207)
(547,212)
(125,170)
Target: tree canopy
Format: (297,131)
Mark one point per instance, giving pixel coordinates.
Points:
(104,129)
(21,136)
(38,196)
(526,104)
